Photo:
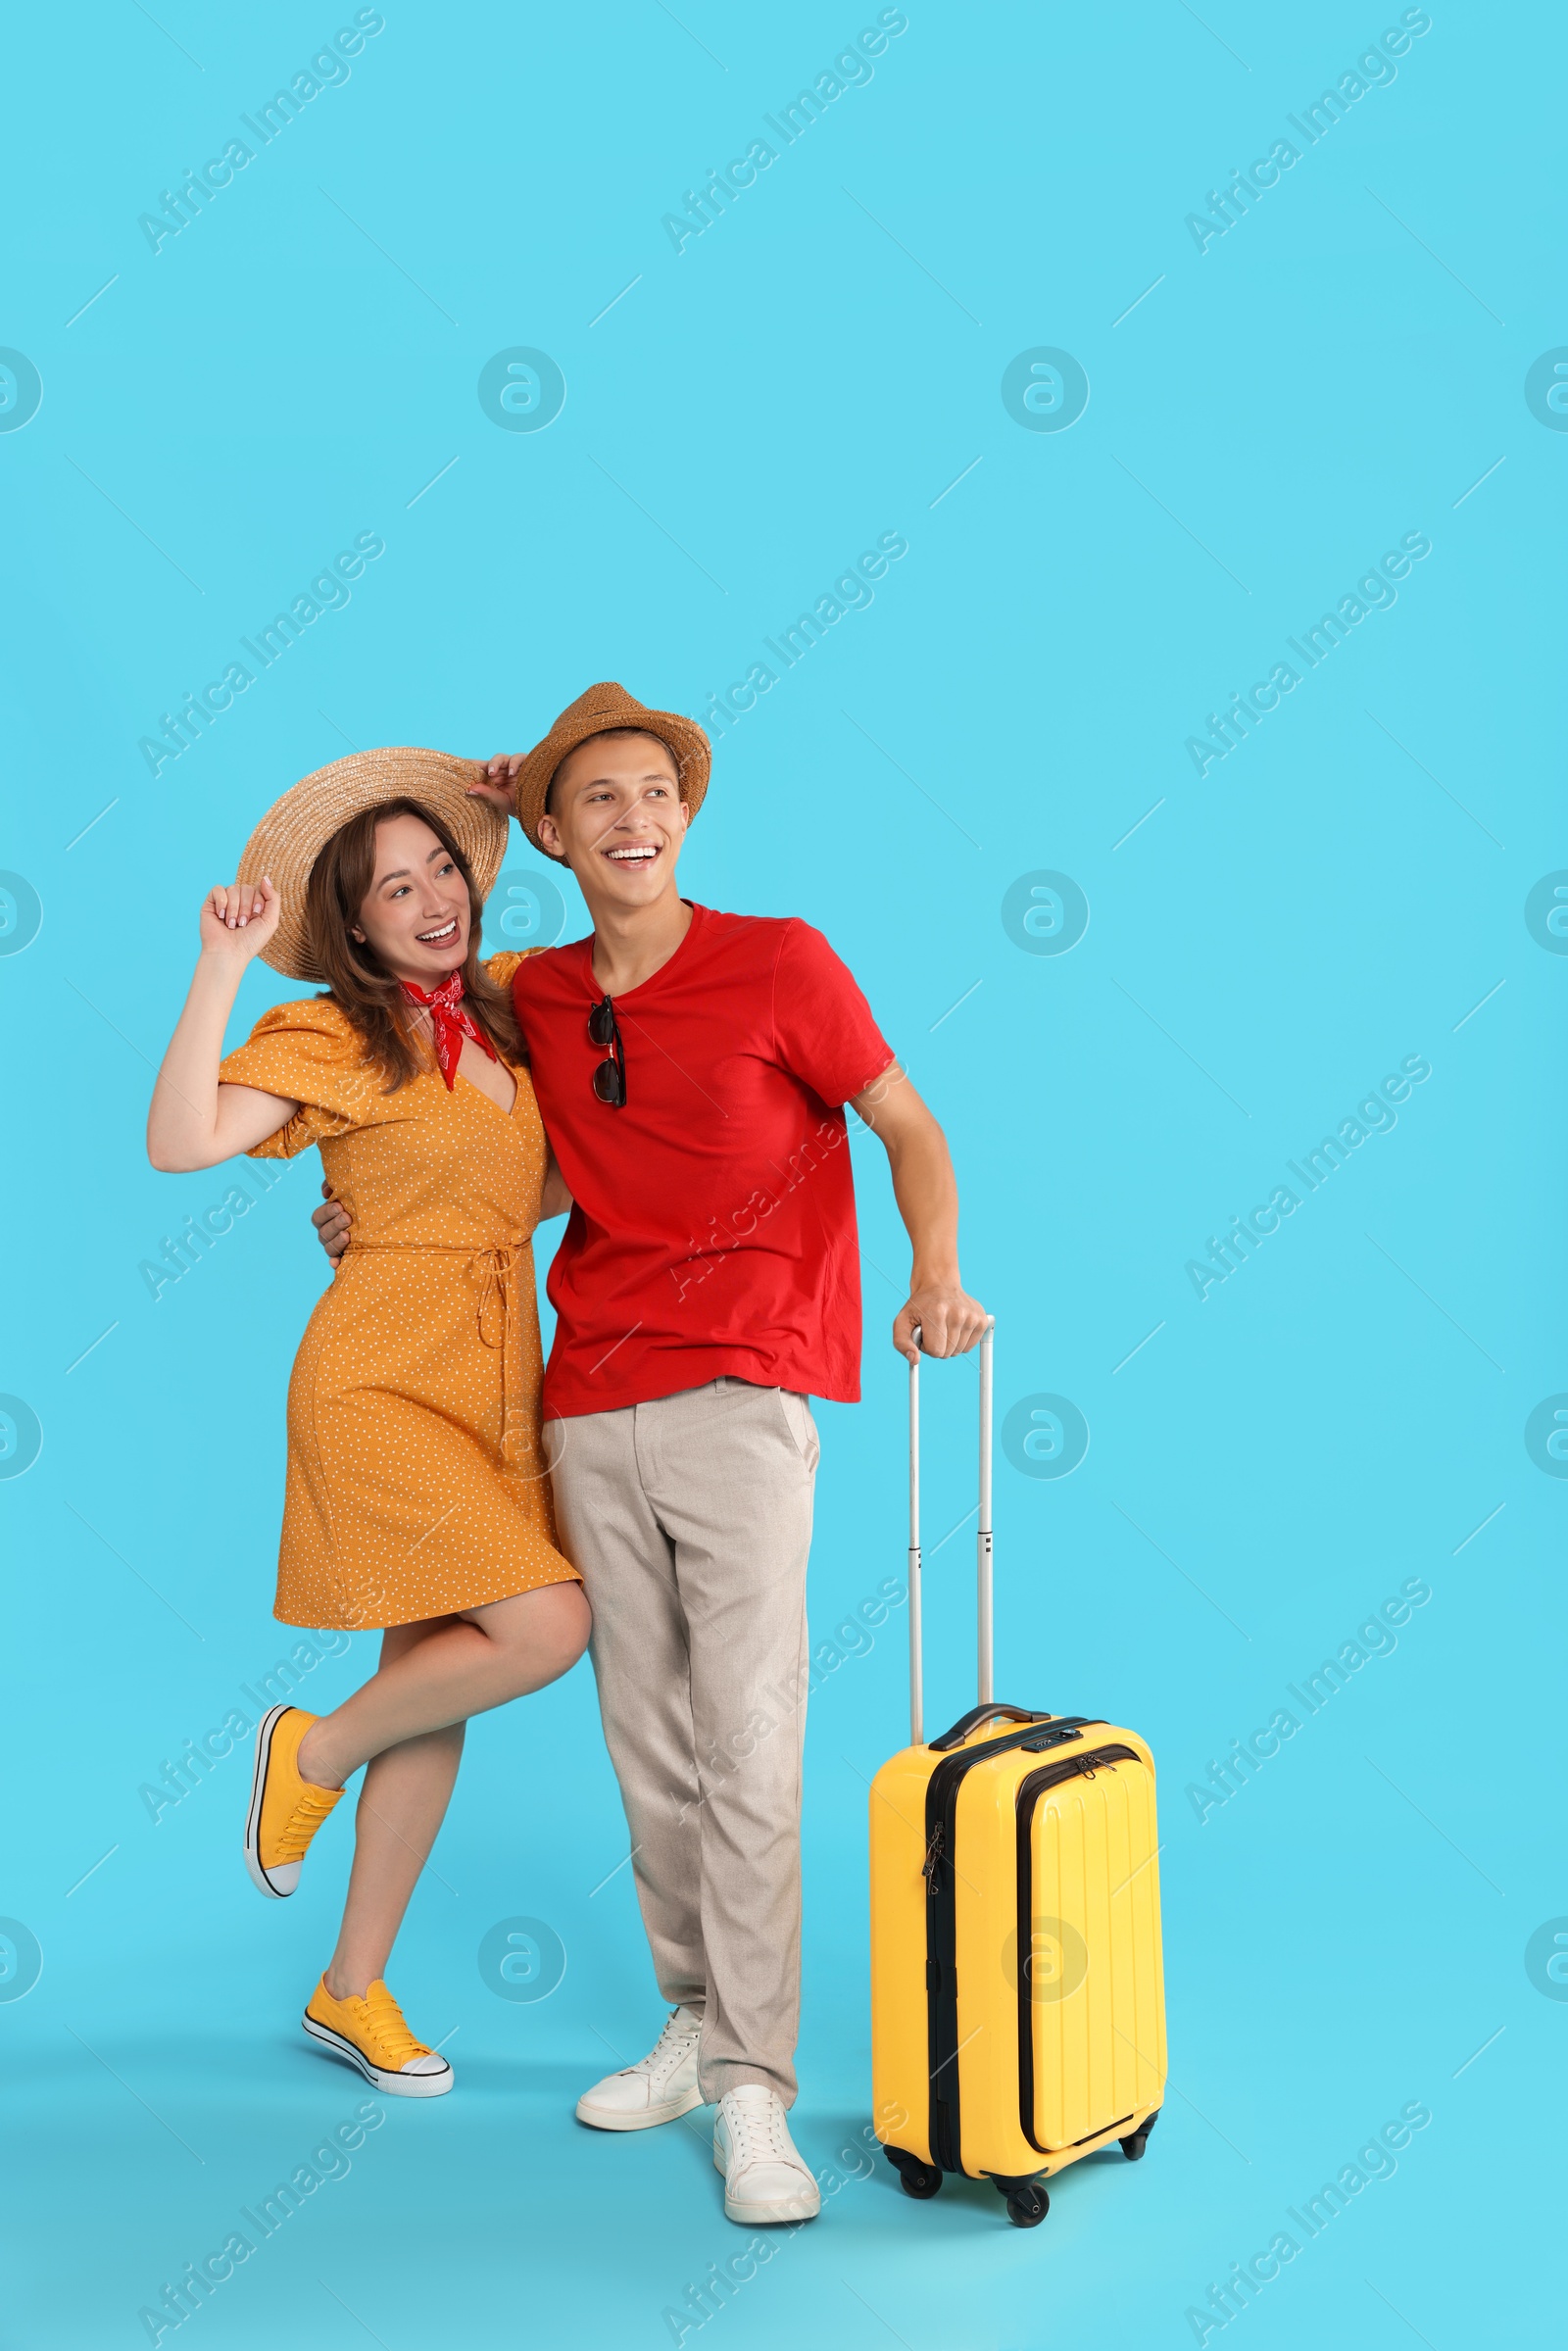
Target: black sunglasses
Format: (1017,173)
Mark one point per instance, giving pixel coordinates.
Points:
(610,1078)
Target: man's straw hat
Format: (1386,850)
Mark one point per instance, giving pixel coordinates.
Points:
(594,714)
(295,830)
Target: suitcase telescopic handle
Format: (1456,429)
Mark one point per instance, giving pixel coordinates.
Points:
(984,1546)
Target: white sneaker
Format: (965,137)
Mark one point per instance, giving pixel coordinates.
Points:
(658,2088)
(765,2178)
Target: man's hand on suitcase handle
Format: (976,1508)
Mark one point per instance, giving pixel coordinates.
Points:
(940,1319)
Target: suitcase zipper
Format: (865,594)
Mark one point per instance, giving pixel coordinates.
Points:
(942,1986)
(1031,1788)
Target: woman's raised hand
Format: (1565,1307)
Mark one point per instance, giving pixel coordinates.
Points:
(239,921)
(195,1119)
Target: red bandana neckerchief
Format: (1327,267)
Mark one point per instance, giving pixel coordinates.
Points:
(450,1022)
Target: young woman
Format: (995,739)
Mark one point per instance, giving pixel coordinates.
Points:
(417,1498)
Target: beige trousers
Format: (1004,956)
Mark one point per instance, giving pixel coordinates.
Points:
(689,1521)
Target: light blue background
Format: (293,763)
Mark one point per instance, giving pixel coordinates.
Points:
(1341,1414)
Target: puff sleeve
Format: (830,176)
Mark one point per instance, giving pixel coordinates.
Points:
(309,1053)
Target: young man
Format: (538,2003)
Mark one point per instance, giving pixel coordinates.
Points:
(692,1069)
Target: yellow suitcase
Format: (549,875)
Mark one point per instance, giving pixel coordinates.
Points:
(1017,2002)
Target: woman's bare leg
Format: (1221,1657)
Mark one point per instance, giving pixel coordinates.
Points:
(402,1805)
(408,1724)
(451,1668)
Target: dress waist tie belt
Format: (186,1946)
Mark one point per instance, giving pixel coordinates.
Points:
(499,1316)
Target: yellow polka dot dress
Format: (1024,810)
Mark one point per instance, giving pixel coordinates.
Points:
(417,1481)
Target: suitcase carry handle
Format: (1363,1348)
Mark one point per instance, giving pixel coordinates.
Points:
(985,1714)
(983,1541)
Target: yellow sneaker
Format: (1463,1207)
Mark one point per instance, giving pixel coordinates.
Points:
(371,2034)
(286,1810)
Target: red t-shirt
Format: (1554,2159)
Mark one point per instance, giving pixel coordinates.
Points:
(713,1230)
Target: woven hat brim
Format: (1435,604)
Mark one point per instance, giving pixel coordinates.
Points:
(295,830)
(686,741)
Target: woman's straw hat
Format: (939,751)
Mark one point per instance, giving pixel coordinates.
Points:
(295,830)
(594,714)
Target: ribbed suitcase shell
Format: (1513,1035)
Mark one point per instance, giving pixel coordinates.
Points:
(1095,2015)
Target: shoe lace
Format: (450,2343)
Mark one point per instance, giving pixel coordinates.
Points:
(309,1813)
(667,2050)
(385,2025)
(757,2129)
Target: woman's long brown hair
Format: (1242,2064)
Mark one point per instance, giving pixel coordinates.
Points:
(358,981)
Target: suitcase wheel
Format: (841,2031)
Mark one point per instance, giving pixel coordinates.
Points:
(1027,2206)
(916,2179)
(919,2179)
(1134,2144)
